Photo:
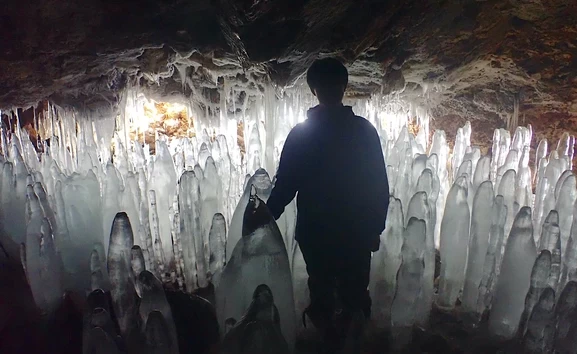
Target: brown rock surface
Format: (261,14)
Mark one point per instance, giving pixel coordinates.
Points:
(471,59)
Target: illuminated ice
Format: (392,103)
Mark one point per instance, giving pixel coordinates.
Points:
(514,278)
(454,243)
(183,231)
(478,244)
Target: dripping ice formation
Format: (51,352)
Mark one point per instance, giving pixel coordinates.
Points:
(89,217)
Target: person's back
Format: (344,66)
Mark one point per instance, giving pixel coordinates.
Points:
(336,174)
(334,162)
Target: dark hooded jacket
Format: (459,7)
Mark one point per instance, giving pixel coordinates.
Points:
(334,161)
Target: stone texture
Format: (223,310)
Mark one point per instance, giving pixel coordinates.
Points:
(465,58)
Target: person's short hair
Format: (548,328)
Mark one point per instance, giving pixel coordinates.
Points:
(327,73)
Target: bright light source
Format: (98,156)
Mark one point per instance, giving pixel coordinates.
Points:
(170,119)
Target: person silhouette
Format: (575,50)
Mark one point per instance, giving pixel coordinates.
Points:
(334,162)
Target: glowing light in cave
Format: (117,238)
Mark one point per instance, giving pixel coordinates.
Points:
(171,119)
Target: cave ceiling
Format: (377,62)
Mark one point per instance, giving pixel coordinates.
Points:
(469,59)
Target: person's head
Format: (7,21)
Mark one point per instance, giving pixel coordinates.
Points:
(328,79)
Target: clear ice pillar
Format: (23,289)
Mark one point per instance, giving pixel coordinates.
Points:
(539,278)
(514,279)
(478,244)
(540,328)
(385,264)
(454,243)
(120,273)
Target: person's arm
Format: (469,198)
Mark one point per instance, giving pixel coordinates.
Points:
(380,184)
(288,174)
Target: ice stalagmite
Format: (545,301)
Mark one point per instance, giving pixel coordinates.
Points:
(217,239)
(523,184)
(403,186)
(507,190)
(417,168)
(482,172)
(493,257)
(159,258)
(481,222)
(472,154)
(514,278)
(99,342)
(564,206)
(203,154)
(225,169)
(560,182)
(540,328)
(130,203)
(466,170)
(137,261)
(121,280)
(429,183)
(18,203)
(99,317)
(539,279)
(254,150)
(163,180)
(260,257)
(7,199)
(511,163)
(96,271)
(419,208)
(461,144)
(405,311)
(259,330)
(385,264)
(158,337)
(40,256)
(192,245)
(541,191)
(550,240)
(110,201)
(540,153)
(152,298)
(440,148)
(51,265)
(46,208)
(569,255)
(177,272)
(83,212)
(553,173)
(261,181)
(454,242)
(211,198)
(565,311)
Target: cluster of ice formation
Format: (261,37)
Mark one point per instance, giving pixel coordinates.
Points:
(90,217)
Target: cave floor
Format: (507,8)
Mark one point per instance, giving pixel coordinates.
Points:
(446,334)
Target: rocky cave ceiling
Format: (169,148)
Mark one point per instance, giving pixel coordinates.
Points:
(472,59)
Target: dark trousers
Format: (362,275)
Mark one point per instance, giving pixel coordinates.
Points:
(337,268)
